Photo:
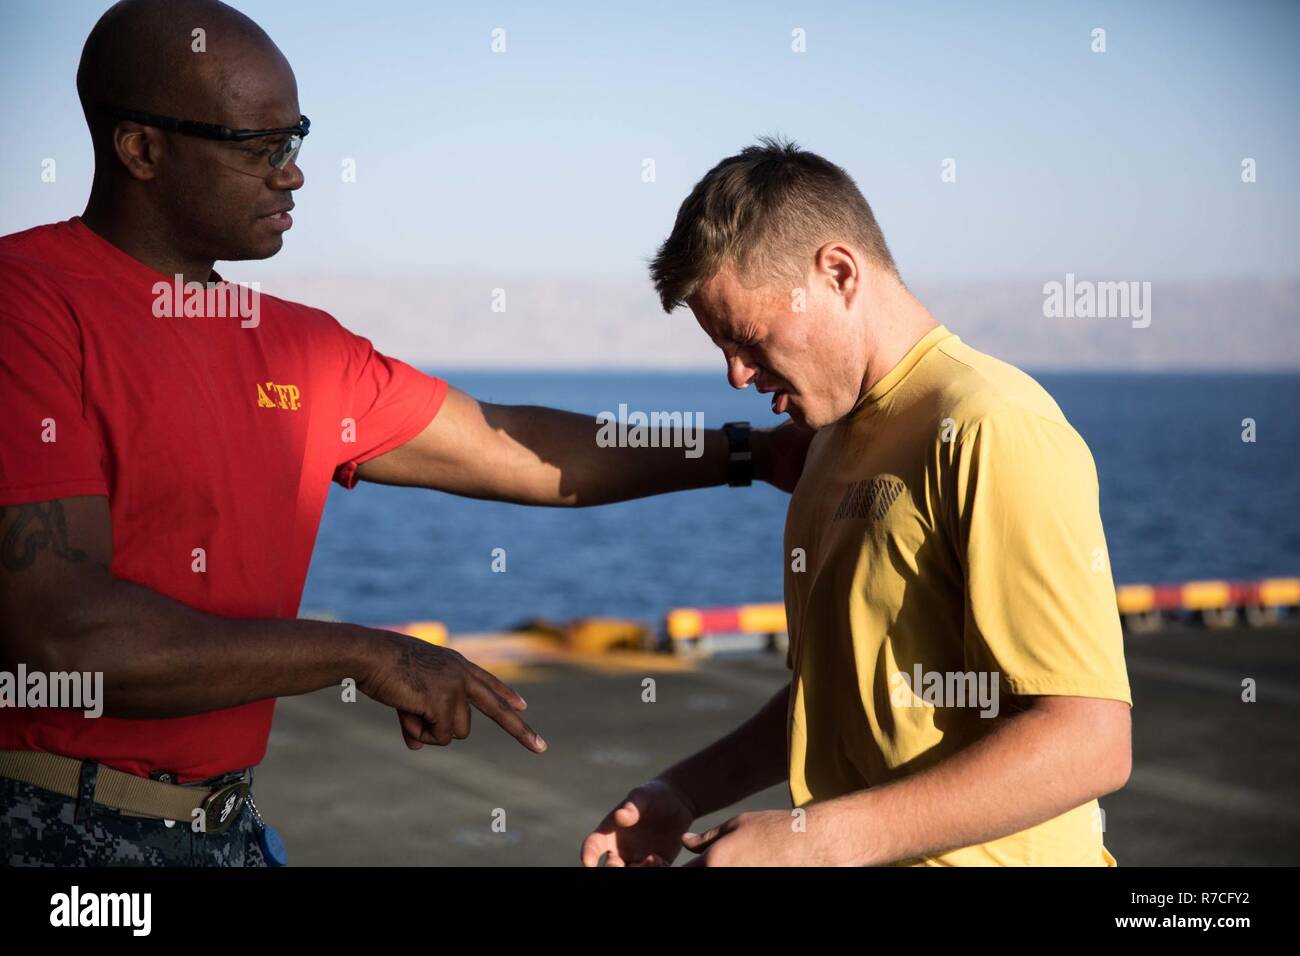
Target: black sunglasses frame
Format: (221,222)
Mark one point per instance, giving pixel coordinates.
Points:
(204,130)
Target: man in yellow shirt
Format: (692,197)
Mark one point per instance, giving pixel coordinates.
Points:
(959,694)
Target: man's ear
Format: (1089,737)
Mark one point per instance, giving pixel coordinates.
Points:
(139,148)
(838,265)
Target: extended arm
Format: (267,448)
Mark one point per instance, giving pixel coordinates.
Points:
(542,456)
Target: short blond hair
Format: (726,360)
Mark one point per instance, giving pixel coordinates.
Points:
(765,211)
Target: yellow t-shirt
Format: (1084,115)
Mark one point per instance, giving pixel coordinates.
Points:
(951,544)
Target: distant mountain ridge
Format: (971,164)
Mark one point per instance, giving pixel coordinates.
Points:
(449,322)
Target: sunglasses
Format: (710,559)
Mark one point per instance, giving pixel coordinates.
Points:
(279,158)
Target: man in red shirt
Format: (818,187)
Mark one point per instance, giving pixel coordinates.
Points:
(165,455)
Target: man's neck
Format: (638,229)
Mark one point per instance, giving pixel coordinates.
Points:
(144,241)
(899,323)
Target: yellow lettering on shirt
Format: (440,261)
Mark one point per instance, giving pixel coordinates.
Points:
(286,397)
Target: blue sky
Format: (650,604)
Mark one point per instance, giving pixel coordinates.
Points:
(1120,164)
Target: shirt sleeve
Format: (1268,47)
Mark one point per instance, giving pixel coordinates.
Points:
(1041,607)
(48,449)
(389,403)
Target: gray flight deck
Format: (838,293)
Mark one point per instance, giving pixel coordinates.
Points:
(1216,780)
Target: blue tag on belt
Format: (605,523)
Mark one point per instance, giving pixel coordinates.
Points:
(272,847)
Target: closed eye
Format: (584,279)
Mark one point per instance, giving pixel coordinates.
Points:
(749,337)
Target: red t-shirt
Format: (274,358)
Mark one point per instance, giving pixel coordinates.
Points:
(209,433)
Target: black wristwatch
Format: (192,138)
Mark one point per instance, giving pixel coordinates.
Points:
(740,461)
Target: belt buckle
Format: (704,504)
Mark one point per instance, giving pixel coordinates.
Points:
(223,806)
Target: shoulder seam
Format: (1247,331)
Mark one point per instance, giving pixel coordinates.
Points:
(1008,410)
(1005,406)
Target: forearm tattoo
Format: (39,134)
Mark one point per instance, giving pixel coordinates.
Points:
(31,529)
